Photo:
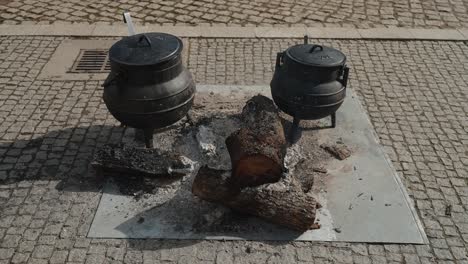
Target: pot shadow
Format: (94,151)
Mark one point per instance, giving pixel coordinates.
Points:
(60,155)
(293,136)
(64,156)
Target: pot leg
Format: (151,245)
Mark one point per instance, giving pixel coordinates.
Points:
(190,119)
(148,133)
(294,129)
(333,120)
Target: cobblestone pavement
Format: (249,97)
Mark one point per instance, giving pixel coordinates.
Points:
(314,13)
(414,91)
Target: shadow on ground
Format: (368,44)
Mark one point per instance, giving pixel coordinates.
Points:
(61,155)
(64,156)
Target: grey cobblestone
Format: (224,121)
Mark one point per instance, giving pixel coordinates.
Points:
(366,14)
(414,91)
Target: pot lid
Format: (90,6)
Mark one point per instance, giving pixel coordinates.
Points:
(316,55)
(145,49)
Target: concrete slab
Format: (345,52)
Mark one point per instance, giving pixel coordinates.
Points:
(436,34)
(385,33)
(464,32)
(66,30)
(110,30)
(15,30)
(363,198)
(59,65)
(118,30)
(273,32)
(336,33)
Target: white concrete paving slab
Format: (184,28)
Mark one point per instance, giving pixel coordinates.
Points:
(385,33)
(15,30)
(117,30)
(363,198)
(335,33)
(274,32)
(464,32)
(110,30)
(436,34)
(59,65)
(66,30)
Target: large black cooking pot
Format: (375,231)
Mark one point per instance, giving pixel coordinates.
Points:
(310,81)
(148,87)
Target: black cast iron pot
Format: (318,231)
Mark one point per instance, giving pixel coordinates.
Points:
(310,81)
(148,87)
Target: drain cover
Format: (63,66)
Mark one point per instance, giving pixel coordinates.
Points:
(91,61)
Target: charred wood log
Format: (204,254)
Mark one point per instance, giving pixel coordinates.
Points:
(257,149)
(119,159)
(282,203)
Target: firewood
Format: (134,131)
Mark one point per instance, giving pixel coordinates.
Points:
(257,149)
(282,203)
(119,159)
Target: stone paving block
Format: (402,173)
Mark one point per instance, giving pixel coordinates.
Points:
(279,13)
(414,91)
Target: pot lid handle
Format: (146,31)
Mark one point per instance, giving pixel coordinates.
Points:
(314,47)
(143,36)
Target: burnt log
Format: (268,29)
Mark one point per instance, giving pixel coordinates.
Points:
(257,149)
(282,203)
(118,159)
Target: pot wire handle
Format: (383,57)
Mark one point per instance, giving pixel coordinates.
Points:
(315,47)
(146,38)
(279,56)
(344,79)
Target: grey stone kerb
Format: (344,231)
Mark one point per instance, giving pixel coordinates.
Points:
(237,32)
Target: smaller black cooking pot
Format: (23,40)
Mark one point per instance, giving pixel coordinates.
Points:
(310,81)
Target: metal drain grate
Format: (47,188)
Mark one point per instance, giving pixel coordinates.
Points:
(91,61)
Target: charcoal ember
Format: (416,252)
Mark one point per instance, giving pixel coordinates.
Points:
(320,169)
(339,150)
(207,140)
